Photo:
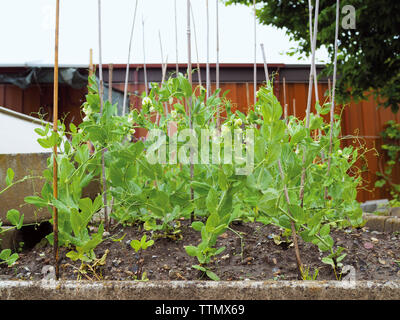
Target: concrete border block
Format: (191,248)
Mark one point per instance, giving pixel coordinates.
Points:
(392,224)
(199,290)
(375,223)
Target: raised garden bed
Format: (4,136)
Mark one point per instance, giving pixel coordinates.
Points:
(257,256)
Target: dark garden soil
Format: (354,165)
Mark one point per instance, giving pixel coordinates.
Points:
(256,257)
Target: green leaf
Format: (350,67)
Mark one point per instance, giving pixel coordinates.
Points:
(324,231)
(212,275)
(9,177)
(191,251)
(212,201)
(197,225)
(200,268)
(15,218)
(136,245)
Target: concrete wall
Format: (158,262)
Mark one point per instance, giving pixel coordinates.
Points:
(17,133)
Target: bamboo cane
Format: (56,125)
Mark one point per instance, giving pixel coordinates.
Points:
(208,84)
(195,43)
(285,106)
(144,62)
(303,173)
(127,64)
(190,98)
(332,110)
(217,64)
(293,227)
(55,128)
(255,55)
(110,81)
(310,7)
(294,108)
(101,93)
(265,64)
(176,41)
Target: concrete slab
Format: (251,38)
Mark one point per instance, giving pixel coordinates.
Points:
(199,290)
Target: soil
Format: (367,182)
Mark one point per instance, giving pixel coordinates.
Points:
(256,257)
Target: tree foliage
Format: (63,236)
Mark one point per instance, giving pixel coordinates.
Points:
(369,55)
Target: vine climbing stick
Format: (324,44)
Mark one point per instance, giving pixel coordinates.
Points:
(55,125)
(292,225)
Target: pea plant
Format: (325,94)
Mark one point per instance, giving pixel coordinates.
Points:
(159,195)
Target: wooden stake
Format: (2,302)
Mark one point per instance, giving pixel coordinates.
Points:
(208,84)
(91,69)
(190,98)
(217,65)
(195,44)
(101,93)
(55,128)
(247,95)
(285,106)
(303,173)
(176,41)
(293,227)
(144,62)
(265,63)
(127,65)
(332,111)
(110,81)
(255,55)
(294,108)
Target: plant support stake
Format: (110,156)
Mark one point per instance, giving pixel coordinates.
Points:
(208,84)
(144,62)
(217,65)
(255,55)
(55,125)
(332,110)
(127,65)
(190,99)
(195,44)
(176,41)
(101,92)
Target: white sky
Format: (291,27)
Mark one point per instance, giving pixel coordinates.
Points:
(27,32)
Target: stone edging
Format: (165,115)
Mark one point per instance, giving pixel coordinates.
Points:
(383,223)
(199,290)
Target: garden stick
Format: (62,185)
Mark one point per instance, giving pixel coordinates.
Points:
(144,63)
(91,62)
(217,65)
(110,80)
(293,227)
(285,106)
(195,43)
(247,95)
(265,63)
(55,125)
(332,111)
(176,41)
(311,41)
(101,89)
(162,57)
(127,64)
(208,85)
(190,98)
(294,108)
(303,173)
(313,45)
(255,55)
(329,90)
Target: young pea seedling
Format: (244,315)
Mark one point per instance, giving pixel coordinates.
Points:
(139,246)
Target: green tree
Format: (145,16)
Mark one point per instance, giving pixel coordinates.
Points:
(369,55)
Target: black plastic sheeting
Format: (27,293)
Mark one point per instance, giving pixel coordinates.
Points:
(38,75)
(67,76)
